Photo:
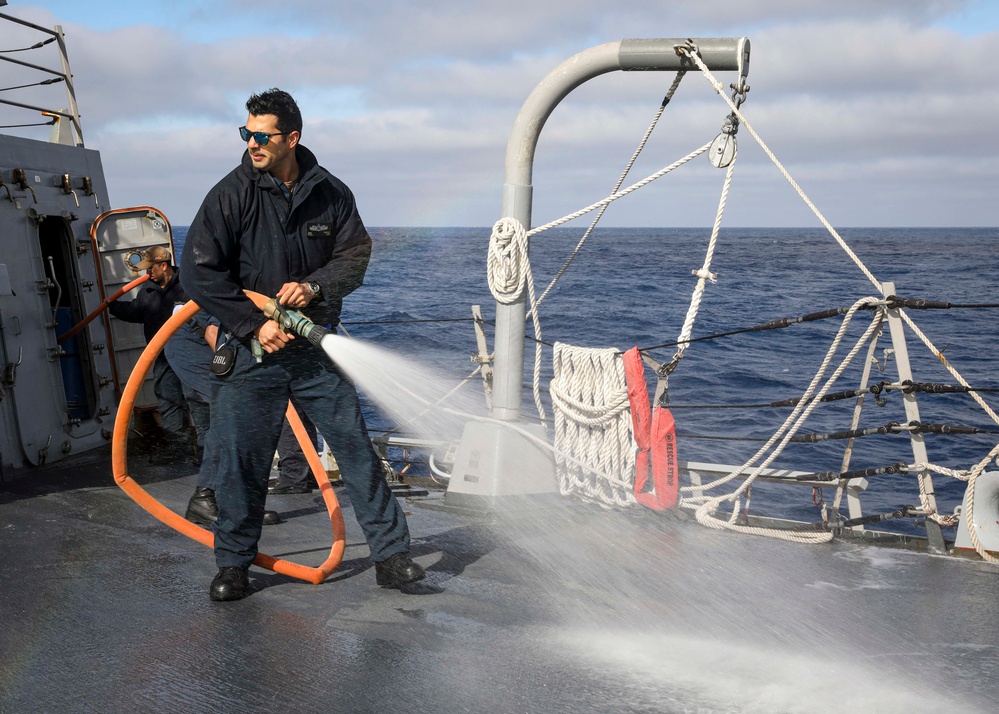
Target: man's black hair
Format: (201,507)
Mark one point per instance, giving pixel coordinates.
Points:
(280,104)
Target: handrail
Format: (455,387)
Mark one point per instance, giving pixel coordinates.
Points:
(32,25)
(73,112)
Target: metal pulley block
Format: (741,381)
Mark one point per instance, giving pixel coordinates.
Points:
(724,148)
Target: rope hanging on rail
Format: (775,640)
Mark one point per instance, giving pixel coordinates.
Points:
(592,422)
(978,468)
(508,266)
(708,505)
(509,272)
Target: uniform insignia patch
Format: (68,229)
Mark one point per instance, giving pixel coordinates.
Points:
(319,230)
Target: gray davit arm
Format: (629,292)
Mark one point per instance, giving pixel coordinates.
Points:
(637,55)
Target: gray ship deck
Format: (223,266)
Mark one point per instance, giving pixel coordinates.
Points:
(104,609)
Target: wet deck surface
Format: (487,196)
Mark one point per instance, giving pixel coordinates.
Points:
(104,609)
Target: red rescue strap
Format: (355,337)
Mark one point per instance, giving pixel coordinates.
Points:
(655,436)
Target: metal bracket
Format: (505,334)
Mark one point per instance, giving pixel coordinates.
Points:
(10,371)
(20,179)
(66,184)
(483,357)
(888,352)
(43,453)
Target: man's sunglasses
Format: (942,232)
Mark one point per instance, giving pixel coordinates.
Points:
(259,136)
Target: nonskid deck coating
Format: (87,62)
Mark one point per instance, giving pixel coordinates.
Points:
(104,609)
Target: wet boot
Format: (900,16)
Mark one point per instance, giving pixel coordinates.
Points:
(398,570)
(203,510)
(231,583)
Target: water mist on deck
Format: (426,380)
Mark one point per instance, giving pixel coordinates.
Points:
(675,618)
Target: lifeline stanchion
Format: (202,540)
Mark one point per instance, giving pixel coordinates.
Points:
(119,447)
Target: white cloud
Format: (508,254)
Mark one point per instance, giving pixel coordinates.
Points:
(412,103)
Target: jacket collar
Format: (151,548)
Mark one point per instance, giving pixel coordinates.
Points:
(307,163)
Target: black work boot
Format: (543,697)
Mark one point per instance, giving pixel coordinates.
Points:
(202,509)
(231,583)
(272,518)
(284,489)
(398,570)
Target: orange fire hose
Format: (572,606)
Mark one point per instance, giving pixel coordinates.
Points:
(119,447)
(101,308)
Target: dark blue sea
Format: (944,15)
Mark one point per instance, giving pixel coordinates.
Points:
(632,286)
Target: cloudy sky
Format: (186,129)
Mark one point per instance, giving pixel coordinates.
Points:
(883,110)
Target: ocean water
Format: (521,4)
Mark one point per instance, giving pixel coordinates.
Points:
(632,287)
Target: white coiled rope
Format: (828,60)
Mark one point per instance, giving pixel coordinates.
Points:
(593,422)
(508,265)
(508,269)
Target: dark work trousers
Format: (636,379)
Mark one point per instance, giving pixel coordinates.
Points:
(200,413)
(190,358)
(293,467)
(208,472)
(169,396)
(246,422)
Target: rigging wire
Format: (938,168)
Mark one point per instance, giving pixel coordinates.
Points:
(891,303)
(414,320)
(36,46)
(40,123)
(906,387)
(54,80)
(627,169)
(892,427)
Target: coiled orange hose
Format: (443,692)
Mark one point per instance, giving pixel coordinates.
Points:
(119,448)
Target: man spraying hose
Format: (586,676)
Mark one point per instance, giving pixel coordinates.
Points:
(281,225)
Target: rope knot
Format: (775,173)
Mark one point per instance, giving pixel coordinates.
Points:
(705,274)
(507,262)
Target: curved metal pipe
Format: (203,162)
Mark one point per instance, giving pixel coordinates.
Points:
(720,54)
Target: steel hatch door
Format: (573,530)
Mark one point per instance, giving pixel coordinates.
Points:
(119,237)
(31,373)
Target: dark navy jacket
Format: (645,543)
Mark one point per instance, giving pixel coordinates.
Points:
(152,306)
(245,235)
